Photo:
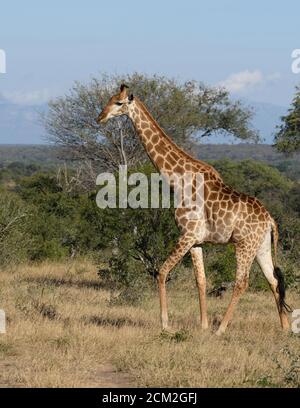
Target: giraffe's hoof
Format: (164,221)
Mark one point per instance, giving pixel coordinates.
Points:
(220,331)
(285,325)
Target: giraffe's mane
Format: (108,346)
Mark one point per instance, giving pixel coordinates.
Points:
(151,118)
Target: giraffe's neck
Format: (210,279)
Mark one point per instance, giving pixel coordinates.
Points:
(162,151)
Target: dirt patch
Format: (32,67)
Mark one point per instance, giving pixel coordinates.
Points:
(106,376)
(6,366)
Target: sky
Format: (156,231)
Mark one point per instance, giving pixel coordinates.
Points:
(244,46)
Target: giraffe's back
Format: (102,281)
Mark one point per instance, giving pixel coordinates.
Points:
(228,216)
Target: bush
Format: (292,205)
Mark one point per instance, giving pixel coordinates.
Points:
(15,239)
(64,224)
(220,264)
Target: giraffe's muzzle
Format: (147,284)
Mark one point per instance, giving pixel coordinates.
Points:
(101,118)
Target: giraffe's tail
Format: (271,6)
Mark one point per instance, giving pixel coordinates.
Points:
(277,271)
(275,237)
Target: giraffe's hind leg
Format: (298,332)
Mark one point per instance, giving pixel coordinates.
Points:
(264,259)
(244,258)
(197,257)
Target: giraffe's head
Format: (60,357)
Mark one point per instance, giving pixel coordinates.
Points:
(117,105)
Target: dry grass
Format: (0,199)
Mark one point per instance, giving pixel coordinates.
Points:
(62,331)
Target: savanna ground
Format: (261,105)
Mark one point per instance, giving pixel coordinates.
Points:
(63,330)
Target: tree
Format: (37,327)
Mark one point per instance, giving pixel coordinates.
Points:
(185,111)
(146,235)
(287,139)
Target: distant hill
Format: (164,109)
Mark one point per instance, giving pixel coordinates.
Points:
(46,155)
(290,165)
(28,154)
(20,124)
(241,151)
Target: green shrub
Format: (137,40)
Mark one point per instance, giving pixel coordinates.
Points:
(15,218)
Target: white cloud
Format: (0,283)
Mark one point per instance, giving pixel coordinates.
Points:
(27,98)
(246,80)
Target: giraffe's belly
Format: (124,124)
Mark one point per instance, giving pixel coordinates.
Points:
(205,230)
(219,235)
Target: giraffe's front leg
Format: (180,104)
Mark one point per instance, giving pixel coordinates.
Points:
(182,247)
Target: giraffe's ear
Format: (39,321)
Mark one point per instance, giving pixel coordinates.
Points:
(130,98)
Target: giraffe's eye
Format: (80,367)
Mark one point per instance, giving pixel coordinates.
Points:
(119,103)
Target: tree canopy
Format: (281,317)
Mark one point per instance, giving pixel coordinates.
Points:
(186,111)
(287,138)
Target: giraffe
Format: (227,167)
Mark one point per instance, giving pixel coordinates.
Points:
(228,216)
